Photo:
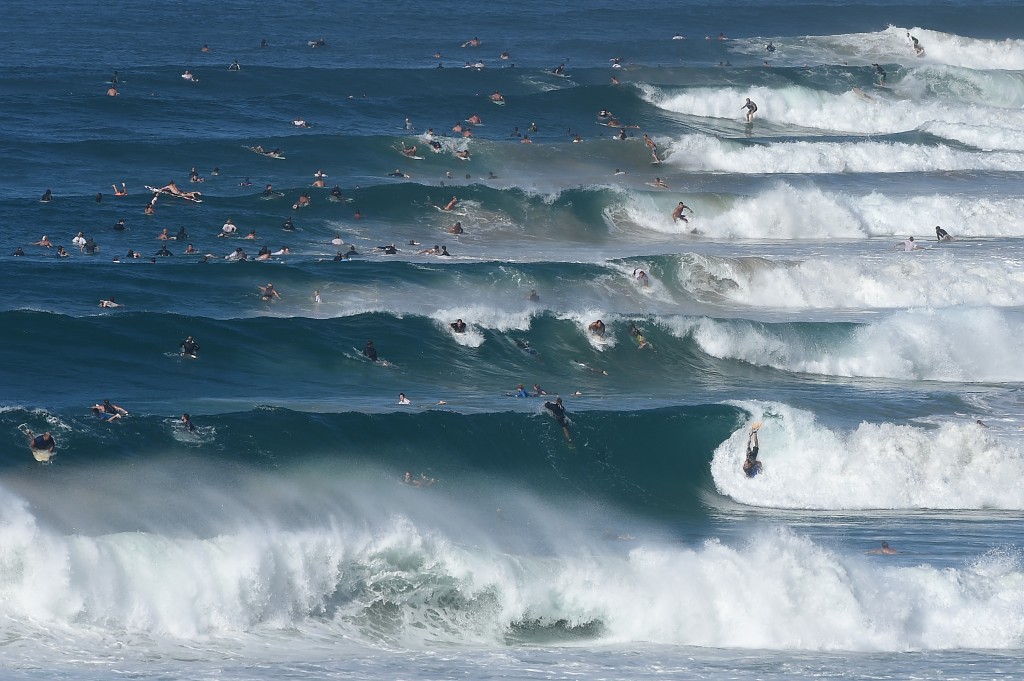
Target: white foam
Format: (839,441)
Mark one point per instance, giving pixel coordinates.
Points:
(887,280)
(808,465)
(713,154)
(933,345)
(397,584)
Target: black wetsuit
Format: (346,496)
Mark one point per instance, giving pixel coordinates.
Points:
(558,411)
(41,442)
(370,352)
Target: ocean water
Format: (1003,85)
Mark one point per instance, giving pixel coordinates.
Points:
(278,541)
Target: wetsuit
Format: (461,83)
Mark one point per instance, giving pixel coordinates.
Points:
(189,347)
(41,442)
(558,411)
(370,352)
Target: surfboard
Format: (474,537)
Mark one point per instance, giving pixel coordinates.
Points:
(586,367)
(453,211)
(498,102)
(863,95)
(271,195)
(177,196)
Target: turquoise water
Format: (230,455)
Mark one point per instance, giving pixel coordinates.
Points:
(278,541)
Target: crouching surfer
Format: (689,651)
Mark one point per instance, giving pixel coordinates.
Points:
(751,466)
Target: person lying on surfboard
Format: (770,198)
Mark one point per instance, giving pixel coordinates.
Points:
(42,443)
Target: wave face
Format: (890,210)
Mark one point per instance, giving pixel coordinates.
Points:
(742,271)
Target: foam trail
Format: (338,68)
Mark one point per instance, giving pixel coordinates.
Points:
(808,465)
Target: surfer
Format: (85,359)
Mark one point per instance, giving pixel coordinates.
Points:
(539,391)
(942,235)
(677,212)
(234,66)
(186,423)
(370,352)
(163,252)
(456,228)
(44,242)
(597,328)
(641,278)
(237,255)
(109,411)
(172,188)
(497,97)
(436,250)
(910,245)
(390,249)
(123,191)
(228,228)
(559,70)
(659,183)
(189,347)
(110,302)
(267,292)
(918,47)
(47,196)
(41,443)
(638,335)
(444,251)
(532,296)
(883,549)
(402,399)
(423,480)
(302,201)
(751,466)
(288,225)
(336,193)
(521,391)
(770,46)
(751,110)
(881,74)
(558,411)
(451,204)
(398,173)
(316,297)
(458,326)
(268,191)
